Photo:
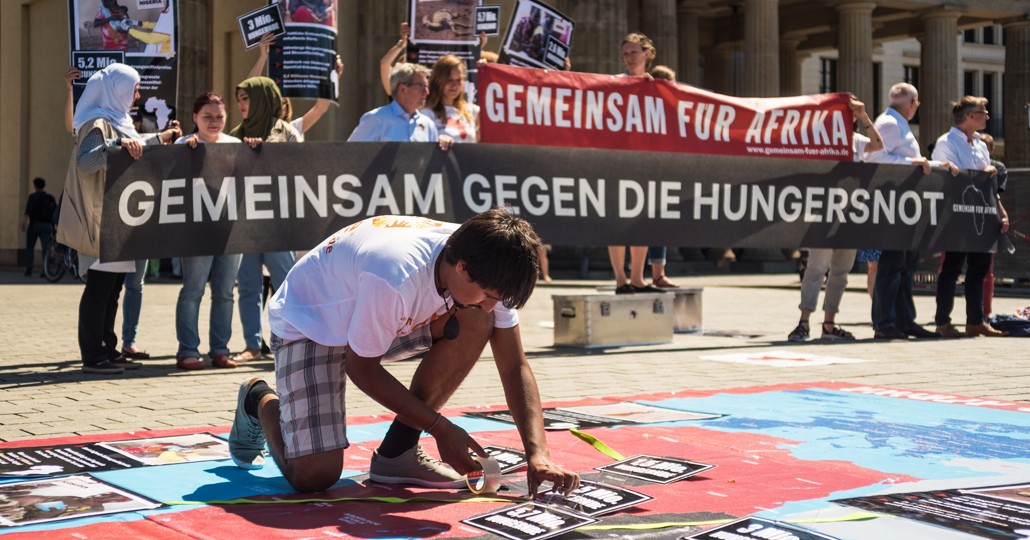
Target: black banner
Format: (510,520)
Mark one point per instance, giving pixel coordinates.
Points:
(228,198)
(302,62)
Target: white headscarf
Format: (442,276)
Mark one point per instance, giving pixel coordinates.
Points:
(109,95)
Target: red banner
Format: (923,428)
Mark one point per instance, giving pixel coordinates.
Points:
(560,108)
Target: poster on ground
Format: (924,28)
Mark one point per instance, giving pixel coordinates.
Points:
(752,528)
(142,34)
(607,415)
(655,469)
(529,521)
(997,512)
(538,36)
(596,499)
(67,497)
(54,460)
(303,60)
(441,27)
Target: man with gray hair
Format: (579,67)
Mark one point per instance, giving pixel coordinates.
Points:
(401,121)
(894,310)
(962,145)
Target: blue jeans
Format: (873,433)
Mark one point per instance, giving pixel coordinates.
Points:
(132,303)
(249,282)
(195,272)
(656,254)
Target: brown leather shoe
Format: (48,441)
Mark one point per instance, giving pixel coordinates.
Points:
(948,331)
(983,329)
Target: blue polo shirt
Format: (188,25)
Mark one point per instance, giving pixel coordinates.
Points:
(391,123)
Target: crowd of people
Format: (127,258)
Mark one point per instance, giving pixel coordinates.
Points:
(402,287)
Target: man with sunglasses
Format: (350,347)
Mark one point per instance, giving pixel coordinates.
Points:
(401,121)
(962,146)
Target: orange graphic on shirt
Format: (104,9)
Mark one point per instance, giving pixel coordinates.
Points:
(432,318)
(405,222)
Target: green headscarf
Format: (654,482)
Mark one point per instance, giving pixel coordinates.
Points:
(266,103)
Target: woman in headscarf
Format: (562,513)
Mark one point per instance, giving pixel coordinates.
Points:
(260,104)
(101,121)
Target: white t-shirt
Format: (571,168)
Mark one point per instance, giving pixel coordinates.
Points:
(222,138)
(298,124)
(366,285)
(457,126)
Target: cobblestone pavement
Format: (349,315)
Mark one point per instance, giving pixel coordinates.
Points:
(43,393)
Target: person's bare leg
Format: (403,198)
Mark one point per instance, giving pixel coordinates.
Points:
(449,362)
(315,472)
(617,255)
(545,265)
(637,261)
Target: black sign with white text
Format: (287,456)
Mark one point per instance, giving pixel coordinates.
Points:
(259,22)
(228,198)
(509,459)
(529,521)
(488,20)
(752,528)
(595,499)
(660,470)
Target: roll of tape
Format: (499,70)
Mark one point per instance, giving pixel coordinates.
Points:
(486,480)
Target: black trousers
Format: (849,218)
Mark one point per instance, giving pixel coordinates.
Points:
(977,266)
(97,310)
(893,305)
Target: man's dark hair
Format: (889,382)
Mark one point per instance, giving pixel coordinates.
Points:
(38,183)
(501,253)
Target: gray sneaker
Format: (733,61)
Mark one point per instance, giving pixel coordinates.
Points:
(414,467)
(246,439)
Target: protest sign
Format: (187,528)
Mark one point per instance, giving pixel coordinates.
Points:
(259,22)
(302,62)
(531,106)
(143,35)
(538,36)
(228,198)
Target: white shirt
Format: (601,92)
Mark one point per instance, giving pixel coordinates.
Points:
(899,144)
(366,285)
(222,138)
(858,144)
(457,126)
(954,146)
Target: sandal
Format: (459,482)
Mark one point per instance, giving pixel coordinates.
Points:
(625,288)
(223,361)
(664,283)
(188,363)
(135,354)
(248,355)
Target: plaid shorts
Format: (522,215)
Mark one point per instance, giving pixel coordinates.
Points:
(311,381)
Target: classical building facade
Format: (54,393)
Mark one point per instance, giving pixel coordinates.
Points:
(738,47)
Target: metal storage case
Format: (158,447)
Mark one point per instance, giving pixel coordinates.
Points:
(608,320)
(686,309)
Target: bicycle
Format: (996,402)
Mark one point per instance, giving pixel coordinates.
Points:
(59,259)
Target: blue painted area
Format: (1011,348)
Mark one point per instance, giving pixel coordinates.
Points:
(881,433)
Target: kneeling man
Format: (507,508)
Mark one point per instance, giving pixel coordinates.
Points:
(384,289)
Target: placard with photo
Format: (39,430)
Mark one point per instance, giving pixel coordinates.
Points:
(176,449)
(538,36)
(596,499)
(752,528)
(66,497)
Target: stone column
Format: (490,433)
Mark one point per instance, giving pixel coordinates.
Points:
(658,21)
(600,27)
(379,33)
(195,52)
(1017,95)
(790,65)
(938,76)
(761,48)
(855,46)
(688,20)
(717,72)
